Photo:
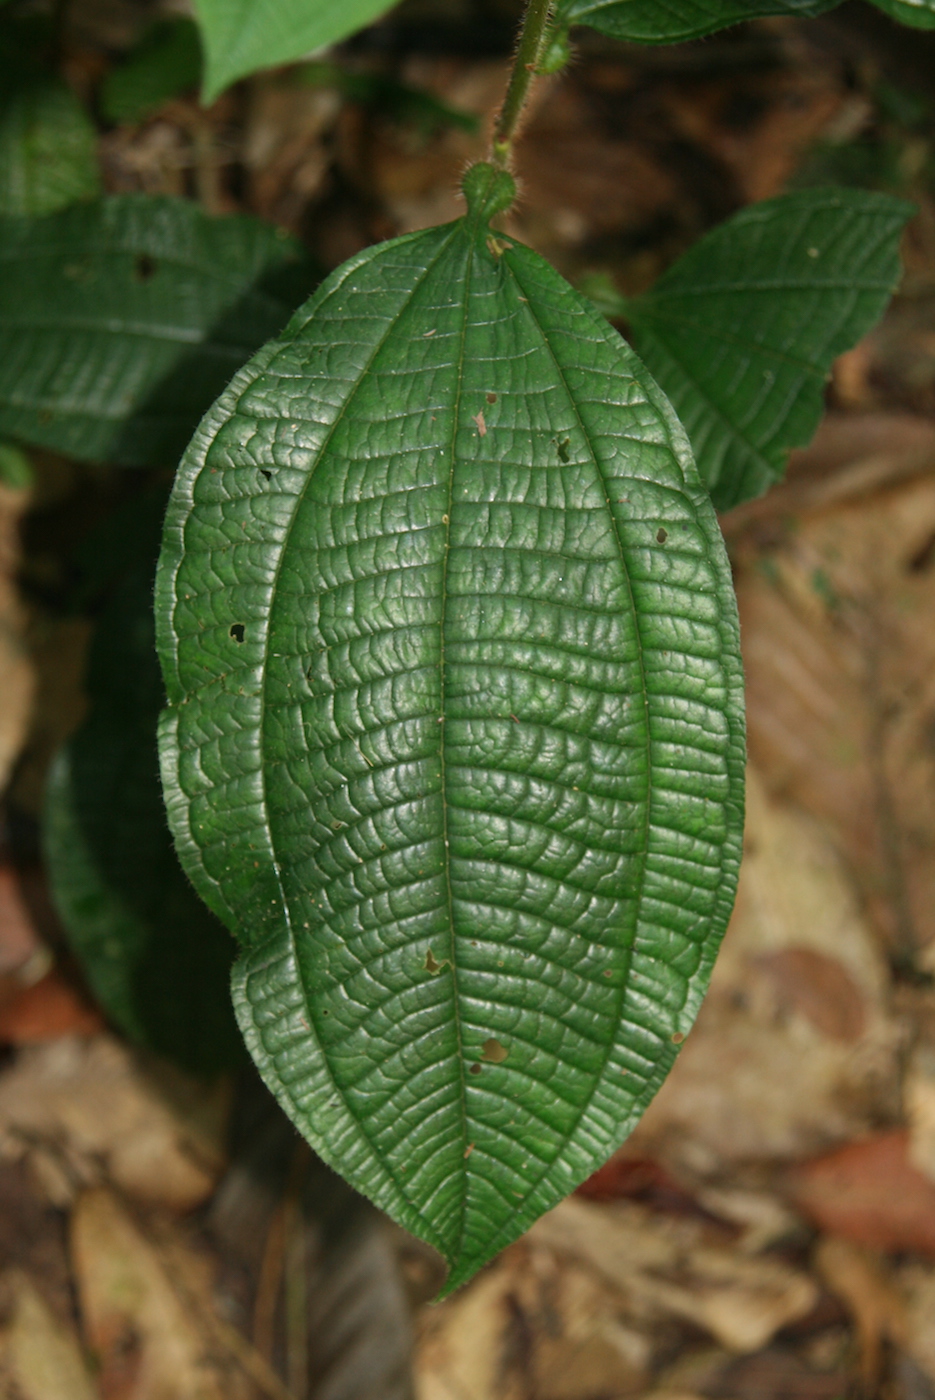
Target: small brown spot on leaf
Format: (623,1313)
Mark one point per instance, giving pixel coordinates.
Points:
(493,1052)
(432,964)
(491,398)
(678,1037)
(144,267)
(481,425)
(474,1069)
(661,535)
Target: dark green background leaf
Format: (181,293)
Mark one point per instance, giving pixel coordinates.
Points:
(157,959)
(241,36)
(455,737)
(165,63)
(48,155)
(742,331)
(120,321)
(672,21)
(920,14)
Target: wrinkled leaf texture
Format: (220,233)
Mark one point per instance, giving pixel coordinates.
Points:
(156,958)
(455,737)
(121,319)
(742,331)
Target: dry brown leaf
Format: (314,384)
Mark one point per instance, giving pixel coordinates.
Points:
(666,1266)
(869,1192)
(459,1352)
(919,1100)
(45,1010)
(782,1062)
(41,1355)
(836,604)
(861,1281)
(530,1325)
(89,1104)
(148,1344)
(918,1288)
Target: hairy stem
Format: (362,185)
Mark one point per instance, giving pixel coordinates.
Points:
(525,63)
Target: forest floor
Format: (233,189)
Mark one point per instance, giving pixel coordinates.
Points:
(768,1233)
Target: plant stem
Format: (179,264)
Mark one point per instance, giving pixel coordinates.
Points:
(525,63)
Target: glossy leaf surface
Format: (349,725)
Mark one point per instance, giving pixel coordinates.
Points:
(121,319)
(241,36)
(742,331)
(674,21)
(455,735)
(155,956)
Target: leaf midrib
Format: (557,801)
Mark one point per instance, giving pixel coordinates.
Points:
(453,961)
(299,499)
(528,303)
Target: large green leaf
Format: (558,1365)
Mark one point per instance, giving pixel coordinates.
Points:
(48,156)
(241,36)
(742,331)
(121,320)
(920,14)
(455,737)
(156,958)
(673,21)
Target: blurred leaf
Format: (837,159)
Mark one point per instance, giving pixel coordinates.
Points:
(48,155)
(120,321)
(600,290)
(741,332)
(166,62)
(157,959)
(673,21)
(241,36)
(151,1329)
(43,1355)
(919,14)
(15,468)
